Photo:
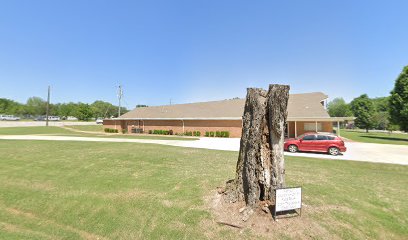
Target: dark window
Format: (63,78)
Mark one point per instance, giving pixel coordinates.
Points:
(330,138)
(321,137)
(309,137)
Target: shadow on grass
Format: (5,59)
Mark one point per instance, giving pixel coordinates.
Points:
(386,138)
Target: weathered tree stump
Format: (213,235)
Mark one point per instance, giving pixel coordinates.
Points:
(260,167)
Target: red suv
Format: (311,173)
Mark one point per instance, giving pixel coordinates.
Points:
(316,142)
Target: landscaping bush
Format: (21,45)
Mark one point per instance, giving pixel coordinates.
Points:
(124,131)
(218,134)
(226,134)
(170,132)
(188,133)
(212,134)
(150,131)
(207,134)
(111,130)
(197,133)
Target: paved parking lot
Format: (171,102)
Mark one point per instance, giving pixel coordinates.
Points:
(368,152)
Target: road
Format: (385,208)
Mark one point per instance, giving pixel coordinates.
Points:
(367,152)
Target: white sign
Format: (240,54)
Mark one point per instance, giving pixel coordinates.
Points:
(288,199)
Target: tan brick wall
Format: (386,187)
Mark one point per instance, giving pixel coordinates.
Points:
(233,126)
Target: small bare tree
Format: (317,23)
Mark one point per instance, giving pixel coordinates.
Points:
(260,167)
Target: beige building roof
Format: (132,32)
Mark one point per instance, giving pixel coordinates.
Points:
(300,106)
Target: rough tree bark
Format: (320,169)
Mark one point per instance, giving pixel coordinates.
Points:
(260,167)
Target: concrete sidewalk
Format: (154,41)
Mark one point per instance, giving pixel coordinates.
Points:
(367,152)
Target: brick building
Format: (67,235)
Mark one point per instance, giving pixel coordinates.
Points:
(306,112)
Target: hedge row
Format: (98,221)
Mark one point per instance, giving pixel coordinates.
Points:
(224,134)
(111,130)
(193,133)
(161,132)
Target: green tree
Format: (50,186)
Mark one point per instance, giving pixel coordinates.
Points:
(8,106)
(381,120)
(339,108)
(84,112)
(381,104)
(102,109)
(363,109)
(399,101)
(36,106)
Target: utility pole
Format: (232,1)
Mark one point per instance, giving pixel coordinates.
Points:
(48,107)
(170,101)
(120,94)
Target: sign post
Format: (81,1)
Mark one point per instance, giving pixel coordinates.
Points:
(288,199)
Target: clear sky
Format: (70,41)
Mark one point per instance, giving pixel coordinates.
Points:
(199,50)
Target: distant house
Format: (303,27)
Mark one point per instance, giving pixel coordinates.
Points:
(306,112)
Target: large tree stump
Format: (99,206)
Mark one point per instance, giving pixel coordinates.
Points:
(260,167)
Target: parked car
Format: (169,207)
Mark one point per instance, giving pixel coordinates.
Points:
(50,118)
(99,121)
(316,142)
(9,118)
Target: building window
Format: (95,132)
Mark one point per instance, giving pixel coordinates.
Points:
(311,127)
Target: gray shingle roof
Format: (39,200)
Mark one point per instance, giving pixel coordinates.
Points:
(305,105)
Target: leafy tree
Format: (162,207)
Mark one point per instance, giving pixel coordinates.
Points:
(8,106)
(84,112)
(102,109)
(363,109)
(339,108)
(381,120)
(399,101)
(381,104)
(36,106)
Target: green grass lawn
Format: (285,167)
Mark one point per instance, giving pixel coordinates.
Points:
(90,190)
(59,131)
(88,128)
(34,130)
(375,137)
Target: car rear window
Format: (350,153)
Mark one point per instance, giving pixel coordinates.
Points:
(309,137)
(330,137)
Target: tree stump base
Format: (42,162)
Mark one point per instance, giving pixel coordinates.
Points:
(260,167)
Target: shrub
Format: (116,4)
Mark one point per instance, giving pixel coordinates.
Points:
(227,134)
(218,134)
(207,134)
(170,132)
(124,131)
(111,130)
(212,134)
(150,131)
(197,133)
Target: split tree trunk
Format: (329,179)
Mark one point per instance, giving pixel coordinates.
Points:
(260,167)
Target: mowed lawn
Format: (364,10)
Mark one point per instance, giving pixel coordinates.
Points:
(376,137)
(92,131)
(89,128)
(96,190)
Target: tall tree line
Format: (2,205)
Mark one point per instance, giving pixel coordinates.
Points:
(383,113)
(36,106)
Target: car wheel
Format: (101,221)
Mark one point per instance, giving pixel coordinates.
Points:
(334,151)
(293,148)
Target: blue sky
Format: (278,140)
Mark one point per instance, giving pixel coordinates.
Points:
(198,50)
